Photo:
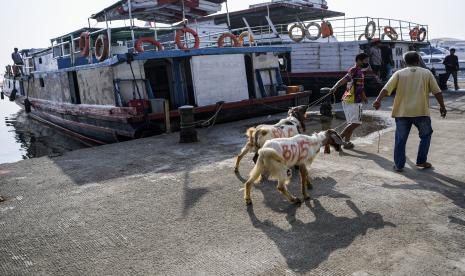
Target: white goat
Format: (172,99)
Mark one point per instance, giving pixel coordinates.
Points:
(289,127)
(277,156)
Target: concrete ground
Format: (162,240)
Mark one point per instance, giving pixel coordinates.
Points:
(155,207)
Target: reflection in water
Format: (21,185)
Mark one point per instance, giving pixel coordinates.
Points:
(36,139)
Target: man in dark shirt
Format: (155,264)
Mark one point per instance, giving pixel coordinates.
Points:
(452,66)
(388,61)
(17,59)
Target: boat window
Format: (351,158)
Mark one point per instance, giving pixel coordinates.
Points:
(42,83)
(40,60)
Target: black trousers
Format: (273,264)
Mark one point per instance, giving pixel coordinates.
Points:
(454,75)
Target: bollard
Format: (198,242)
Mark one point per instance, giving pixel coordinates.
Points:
(188,133)
(27,105)
(326,109)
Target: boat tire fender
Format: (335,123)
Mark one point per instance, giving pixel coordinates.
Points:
(370,30)
(27,105)
(181,33)
(390,32)
(13,95)
(101,47)
(2,95)
(84,44)
(150,40)
(295,38)
(233,38)
(313,37)
(243,35)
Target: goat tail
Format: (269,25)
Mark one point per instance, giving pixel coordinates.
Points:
(251,134)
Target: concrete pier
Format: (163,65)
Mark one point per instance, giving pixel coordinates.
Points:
(156,207)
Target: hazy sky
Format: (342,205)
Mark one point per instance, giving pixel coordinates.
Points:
(31,23)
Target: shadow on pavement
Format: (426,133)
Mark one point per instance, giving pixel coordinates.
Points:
(306,245)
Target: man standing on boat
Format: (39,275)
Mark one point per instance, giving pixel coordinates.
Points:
(411,107)
(376,59)
(354,96)
(17,59)
(452,67)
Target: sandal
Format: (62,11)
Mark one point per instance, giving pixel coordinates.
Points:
(349,145)
(425,165)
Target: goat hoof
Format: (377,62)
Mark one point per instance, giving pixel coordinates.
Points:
(296,201)
(236,170)
(306,198)
(309,186)
(248,202)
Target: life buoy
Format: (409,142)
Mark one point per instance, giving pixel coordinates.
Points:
(326,29)
(414,33)
(84,44)
(369,35)
(243,35)
(181,33)
(234,40)
(313,37)
(149,40)
(421,36)
(391,33)
(302,30)
(101,47)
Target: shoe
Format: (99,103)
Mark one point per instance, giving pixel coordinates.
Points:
(425,165)
(397,169)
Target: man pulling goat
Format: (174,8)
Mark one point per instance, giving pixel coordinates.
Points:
(277,156)
(292,125)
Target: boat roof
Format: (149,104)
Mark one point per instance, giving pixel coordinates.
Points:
(75,34)
(161,11)
(279,12)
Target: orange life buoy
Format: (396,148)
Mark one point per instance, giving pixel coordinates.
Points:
(181,32)
(243,35)
(326,29)
(101,47)
(235,42)
(414,33)
(84,44)
(150,40)
(391,32)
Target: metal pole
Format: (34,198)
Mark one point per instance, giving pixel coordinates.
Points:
(131,22)
(227,15)
(108,34)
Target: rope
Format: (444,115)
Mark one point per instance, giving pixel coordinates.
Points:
(205,123)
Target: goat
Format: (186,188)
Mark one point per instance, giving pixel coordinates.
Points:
(257,136)
(277,156)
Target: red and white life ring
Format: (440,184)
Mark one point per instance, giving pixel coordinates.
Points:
(149,40)
(101,47)
(180,33)
(84,44)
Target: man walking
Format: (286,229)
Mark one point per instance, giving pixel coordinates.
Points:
(413,85)
(452,67)
(376,59)
(354,97)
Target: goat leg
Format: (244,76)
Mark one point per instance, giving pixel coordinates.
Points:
(304,181)
(244,151)
(283,190)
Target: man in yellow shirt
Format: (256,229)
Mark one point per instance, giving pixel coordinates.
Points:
(413,86)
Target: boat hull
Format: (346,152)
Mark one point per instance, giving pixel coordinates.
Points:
(87,125)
